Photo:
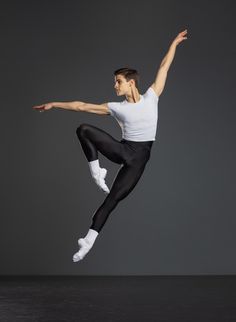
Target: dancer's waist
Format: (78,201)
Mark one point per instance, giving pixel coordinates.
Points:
(138,143)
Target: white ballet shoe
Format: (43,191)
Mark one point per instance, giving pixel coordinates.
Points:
(82,243)
(102,185)
(84,249)
(99,179)
(77,257)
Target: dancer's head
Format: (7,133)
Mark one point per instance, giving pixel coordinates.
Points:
(126,80)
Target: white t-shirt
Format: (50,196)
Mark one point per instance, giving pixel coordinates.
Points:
(138,121)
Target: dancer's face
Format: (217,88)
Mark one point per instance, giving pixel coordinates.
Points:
(122,86)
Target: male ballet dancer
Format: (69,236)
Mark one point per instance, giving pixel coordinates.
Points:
(137,115)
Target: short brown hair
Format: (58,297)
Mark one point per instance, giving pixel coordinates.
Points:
(129,74)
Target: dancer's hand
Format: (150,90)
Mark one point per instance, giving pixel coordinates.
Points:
(180,37)
(43,107)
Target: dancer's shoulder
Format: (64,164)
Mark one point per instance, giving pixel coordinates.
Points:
(151,92)
(113,107)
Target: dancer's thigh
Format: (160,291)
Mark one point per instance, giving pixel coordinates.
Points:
(125,181)
(105,143)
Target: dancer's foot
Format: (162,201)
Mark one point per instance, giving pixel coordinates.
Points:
(85,247)
(99,179)
(98,175)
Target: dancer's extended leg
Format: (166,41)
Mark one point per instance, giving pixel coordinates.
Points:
(125,181)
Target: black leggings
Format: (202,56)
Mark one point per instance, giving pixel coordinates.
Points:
(132,155)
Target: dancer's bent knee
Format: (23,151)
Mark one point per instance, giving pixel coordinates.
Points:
(81,130)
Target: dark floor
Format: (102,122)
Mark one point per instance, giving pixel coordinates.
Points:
(118,298)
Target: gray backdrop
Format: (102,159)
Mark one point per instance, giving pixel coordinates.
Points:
(180,218)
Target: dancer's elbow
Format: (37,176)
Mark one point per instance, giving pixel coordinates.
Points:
(79,106)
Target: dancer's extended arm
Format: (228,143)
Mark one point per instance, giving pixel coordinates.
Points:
(76,106)
(161,76)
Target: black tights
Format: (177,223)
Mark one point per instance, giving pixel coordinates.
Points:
(132,155)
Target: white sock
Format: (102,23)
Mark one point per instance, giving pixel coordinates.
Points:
(85,244)
(91,236)
(94,167)
(99,175)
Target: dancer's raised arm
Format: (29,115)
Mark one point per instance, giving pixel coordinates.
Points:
(76,106)
(161,76)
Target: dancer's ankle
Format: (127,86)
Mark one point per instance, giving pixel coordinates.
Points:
(94,168)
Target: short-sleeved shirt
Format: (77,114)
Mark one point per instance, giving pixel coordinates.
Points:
(138,121)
